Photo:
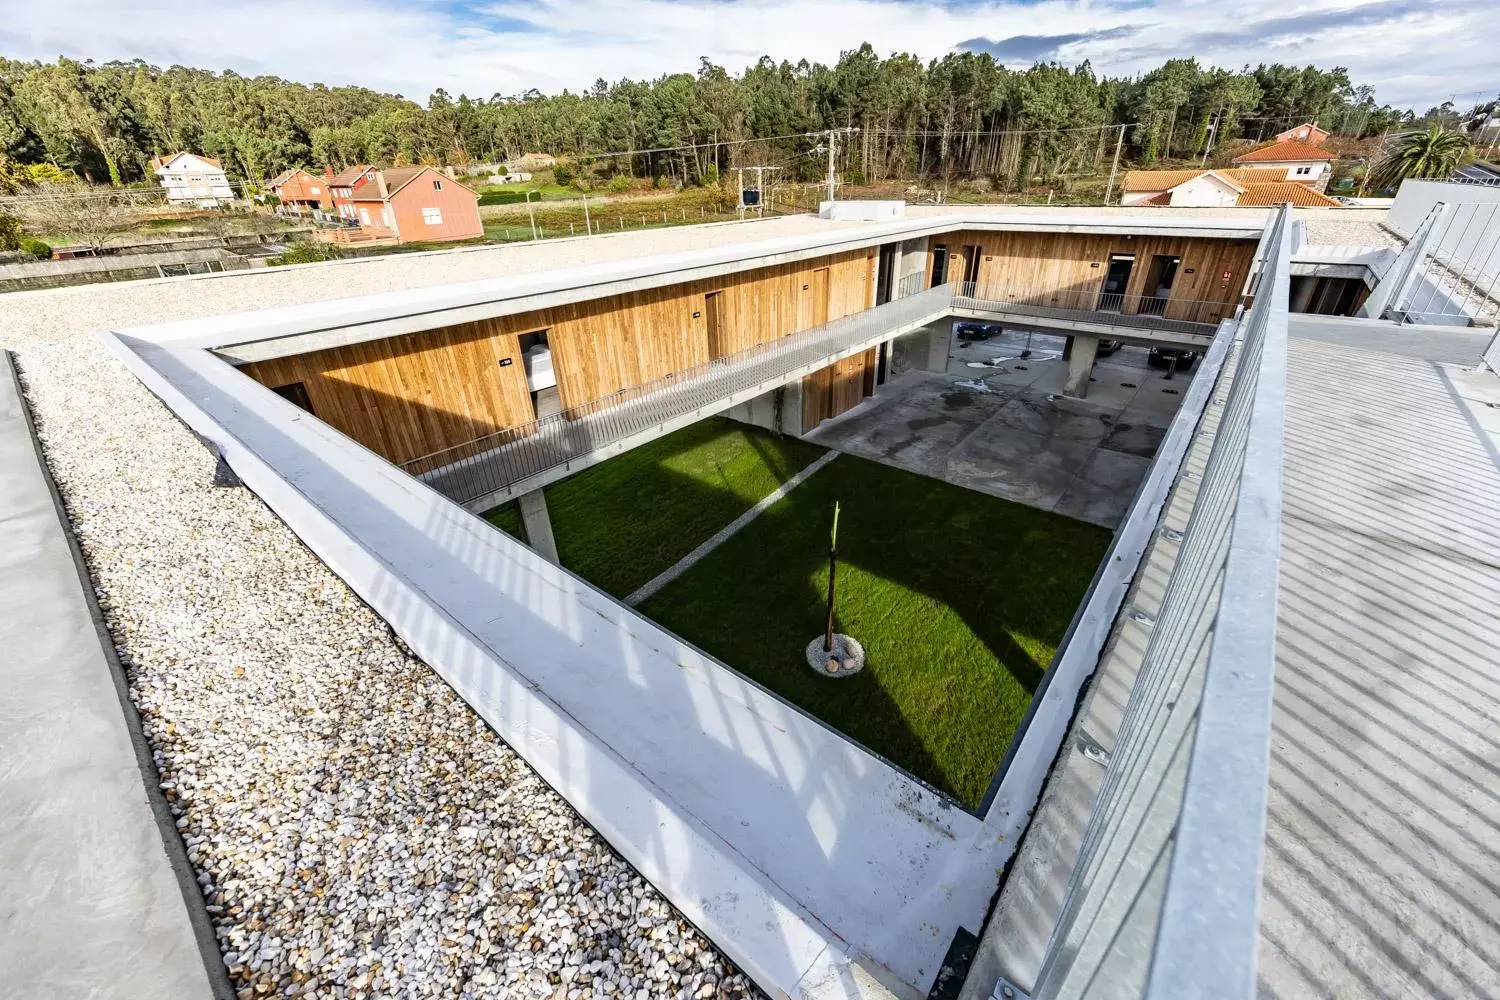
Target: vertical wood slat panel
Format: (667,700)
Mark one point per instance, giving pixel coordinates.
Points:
(1033,263)
(408,396)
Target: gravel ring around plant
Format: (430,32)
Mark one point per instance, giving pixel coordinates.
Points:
(357,830)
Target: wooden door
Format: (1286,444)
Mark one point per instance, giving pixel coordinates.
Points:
(816,389)
(713,315)
(820,296)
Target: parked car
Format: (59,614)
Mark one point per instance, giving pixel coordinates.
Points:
(1178,359)
(1107,347)
(978,331)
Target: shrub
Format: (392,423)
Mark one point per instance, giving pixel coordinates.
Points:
(306,252)
(562,174)
(10,232)
(36,248)
(711,176)
(619,184)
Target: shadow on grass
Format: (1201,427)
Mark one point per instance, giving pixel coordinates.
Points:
(621,523)
(958,597)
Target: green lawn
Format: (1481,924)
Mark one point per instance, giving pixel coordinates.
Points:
(515,194)
(621,523)
(959,599)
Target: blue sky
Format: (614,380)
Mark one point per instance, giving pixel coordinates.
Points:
(1416,52)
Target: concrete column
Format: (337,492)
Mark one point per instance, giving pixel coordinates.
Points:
(896,273)
(1080,365)
(537,526)
(922,350)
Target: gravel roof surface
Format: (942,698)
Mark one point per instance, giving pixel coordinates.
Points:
(357,830)
(1357,233)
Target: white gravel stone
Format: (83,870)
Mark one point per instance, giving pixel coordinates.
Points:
(357,830)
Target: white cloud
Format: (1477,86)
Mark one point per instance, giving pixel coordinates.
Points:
(1424,55)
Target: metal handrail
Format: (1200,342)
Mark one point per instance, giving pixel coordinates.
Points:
(1199,317)
(492,463)
(1163,899)
(1456,266)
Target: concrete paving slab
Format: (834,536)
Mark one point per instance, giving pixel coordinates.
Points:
(1017,465)
(1020,441)
(90,905)
(1101,492)
(1064,420)
(908,437)
(957,402)
(1133,439)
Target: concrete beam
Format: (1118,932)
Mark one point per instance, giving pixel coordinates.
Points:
(537,526)
(272,333)
(1095,328)
(1080,365)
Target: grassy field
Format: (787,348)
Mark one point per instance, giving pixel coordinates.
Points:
(960,600)
(515,194)
(621,523)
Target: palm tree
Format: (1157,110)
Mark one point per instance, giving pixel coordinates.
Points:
(1435,152)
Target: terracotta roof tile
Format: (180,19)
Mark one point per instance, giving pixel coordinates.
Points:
(1284,151)
(1285,192)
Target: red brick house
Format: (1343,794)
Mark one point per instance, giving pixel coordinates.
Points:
(345,184)
(417,205)
(301,191)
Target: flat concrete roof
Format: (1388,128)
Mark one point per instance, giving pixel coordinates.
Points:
(828,868)
(512,271)
(89,903)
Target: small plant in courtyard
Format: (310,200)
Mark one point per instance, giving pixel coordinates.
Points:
(836,654)
(833,570)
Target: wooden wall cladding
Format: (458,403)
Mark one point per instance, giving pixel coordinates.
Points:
(839,387)
(1034,263)
(606,345)
(405,397)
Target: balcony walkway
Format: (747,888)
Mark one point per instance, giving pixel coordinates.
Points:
(1077,313)
(495,468)
(1381,876)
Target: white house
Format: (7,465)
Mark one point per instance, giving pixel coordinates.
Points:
(190,179)
(1193,188)
(1304,162)
(1248,188)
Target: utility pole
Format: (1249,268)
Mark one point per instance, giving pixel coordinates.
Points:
(832,135)
(1115,166)
(1213,130)
(832,143)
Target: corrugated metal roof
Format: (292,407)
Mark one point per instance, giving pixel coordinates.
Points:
(1286,151)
